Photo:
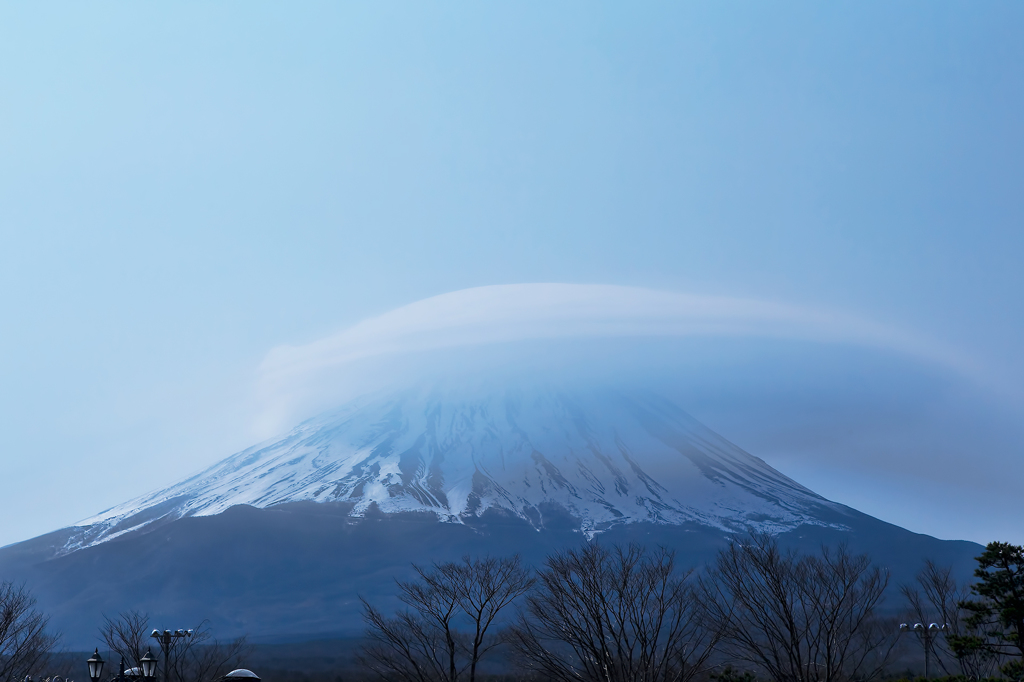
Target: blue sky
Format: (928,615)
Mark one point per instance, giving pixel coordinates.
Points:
(185,188)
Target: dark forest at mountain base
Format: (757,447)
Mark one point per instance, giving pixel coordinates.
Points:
(295,572)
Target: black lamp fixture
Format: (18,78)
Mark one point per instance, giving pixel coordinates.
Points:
(148,665)
(95,664)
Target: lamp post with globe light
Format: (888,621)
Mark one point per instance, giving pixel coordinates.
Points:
(927,635)
(167,639)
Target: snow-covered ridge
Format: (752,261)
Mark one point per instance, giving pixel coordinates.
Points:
(606,457)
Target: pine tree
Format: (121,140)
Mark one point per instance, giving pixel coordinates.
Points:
(997,614)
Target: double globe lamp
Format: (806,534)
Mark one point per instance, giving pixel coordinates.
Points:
(96,662)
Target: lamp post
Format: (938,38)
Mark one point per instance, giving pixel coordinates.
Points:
(148,663)
(167,639)
(927,635)
(95,664)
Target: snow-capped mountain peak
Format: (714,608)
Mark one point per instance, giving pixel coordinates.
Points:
(605,457)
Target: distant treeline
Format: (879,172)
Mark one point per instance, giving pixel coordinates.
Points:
(759,612)
(616,613)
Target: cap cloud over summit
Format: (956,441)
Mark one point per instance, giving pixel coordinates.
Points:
(827,398)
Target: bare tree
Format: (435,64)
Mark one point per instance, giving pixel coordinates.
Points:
(935,596)
(427,642)
(619,614)
(25,644)
(413,646)
(199,658)
(800,618)
(483,588)
(127,636)
(203,658)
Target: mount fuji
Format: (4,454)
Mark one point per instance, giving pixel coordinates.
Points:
(606,458)
(283,537)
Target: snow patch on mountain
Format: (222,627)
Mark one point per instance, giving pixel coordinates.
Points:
(606,457)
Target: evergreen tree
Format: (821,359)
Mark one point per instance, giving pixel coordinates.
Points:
(997,614)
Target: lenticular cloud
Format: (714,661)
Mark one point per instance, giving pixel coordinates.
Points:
(519,312)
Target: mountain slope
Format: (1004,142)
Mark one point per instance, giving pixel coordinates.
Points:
(607,458)
(281,539)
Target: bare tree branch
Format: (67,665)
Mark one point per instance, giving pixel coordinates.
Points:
(199,658)
(616,615)
(800,618)
(25,644)
(127,636)
(935,596)
(427,642)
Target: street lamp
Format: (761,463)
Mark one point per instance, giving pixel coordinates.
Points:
(167,639)
(927,634)
(148,665)
(95,664)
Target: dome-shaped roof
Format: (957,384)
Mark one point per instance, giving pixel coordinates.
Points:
(241,674)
